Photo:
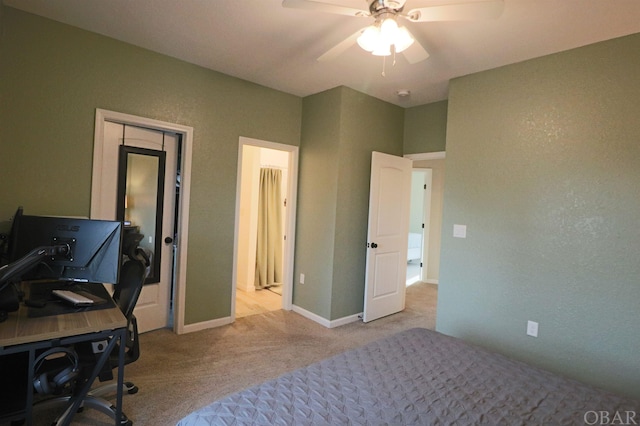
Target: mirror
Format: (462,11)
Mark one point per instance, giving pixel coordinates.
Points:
(140,200)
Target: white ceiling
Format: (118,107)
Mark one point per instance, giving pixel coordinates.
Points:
(260,41)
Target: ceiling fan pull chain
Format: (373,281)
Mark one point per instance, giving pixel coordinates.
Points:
(384,63)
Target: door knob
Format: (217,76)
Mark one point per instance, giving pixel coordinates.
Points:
(374,245)
(168,240)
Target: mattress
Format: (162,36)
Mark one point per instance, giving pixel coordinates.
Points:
(415,377)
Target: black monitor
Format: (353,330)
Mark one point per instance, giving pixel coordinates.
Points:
(13,241)
(79,250)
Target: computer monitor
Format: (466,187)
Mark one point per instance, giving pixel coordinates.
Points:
(13,241)
(86,250)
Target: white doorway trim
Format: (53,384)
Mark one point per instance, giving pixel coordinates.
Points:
(290,219)
(420,217)
(440,155)
(426,156)
(185,190)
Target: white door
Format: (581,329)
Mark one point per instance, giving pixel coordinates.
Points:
(152,309)
(389,201)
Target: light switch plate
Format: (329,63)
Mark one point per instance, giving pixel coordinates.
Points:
(532,328)
(460,231)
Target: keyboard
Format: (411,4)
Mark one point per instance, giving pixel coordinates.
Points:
(74,298)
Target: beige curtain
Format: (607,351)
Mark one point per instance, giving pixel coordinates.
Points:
(269,245)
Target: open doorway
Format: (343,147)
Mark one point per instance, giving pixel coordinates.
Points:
(419,221)
(432,205)
(265,227)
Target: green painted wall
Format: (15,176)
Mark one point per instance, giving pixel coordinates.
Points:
(543,166)
(317,188)
(341,128)
(368,125)
(53,77)
(425,128)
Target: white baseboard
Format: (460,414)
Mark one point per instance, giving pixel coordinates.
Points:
(323,321)
(190,328)
(310,315)
(346,320)
(431,282)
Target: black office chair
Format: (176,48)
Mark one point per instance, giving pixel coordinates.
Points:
(127,291)
(132,276)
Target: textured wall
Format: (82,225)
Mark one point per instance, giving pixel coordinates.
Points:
(317,188)
(53,77)
(543,166)
(368,125)
(425,128)
(338,136)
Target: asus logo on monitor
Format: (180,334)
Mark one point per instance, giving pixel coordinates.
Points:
(87,250)
(68,228)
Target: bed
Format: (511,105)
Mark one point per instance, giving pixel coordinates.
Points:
(416,377)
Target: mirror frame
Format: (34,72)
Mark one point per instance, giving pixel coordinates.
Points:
(124,151)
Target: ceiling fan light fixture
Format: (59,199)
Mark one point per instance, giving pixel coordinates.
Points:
(383,49)
(377,39)
(389,29)
(403,39)
(370,38)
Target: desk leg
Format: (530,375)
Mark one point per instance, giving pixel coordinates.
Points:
(123,336)
(30,377)
(80,396)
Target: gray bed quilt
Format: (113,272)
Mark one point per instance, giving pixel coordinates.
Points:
(416,377)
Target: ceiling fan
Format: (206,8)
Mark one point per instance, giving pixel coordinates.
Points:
(385,36)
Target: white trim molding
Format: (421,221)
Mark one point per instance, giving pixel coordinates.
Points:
(325,322)
(426,156)
(203,325)
(102,116)
(290,221)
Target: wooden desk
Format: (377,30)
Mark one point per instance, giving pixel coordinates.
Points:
(19,333)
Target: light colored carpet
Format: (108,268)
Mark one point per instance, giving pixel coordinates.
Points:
(179,374)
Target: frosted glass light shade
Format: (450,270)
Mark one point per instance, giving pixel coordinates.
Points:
(388,29)
(379,38)
(383,49)
(403,39)
(369,38)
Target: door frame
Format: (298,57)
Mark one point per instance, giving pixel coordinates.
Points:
(418,177)
(290,219)
(180,271)
(426,156)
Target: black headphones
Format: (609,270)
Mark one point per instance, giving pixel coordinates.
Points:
(42,380)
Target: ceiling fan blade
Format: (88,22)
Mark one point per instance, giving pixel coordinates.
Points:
(324,7)
(468,11)
(415,53)
(340,47)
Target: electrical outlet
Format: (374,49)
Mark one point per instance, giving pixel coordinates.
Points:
(532,328)
(301,278)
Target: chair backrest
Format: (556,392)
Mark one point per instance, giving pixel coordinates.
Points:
(127,291)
